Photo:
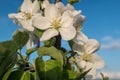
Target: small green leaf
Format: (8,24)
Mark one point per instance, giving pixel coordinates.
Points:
(48,70)
(38,32)
(73,1)
(51,51)
(21,38)
(83,74)
(104,77)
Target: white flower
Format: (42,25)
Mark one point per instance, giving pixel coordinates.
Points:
(86,58)
(24,18)
(53,22)
(78,18)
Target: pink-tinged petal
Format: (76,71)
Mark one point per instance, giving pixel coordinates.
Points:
(26,6)
(91,46)
(51,11)
(41,22)
(35,7)
(48,34)
(67,33)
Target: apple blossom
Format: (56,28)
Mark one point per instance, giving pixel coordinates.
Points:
(86,58)
(55,22)
(24,18)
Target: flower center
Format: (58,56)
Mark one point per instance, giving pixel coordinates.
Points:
(55,23)
(27,15)
(87,57)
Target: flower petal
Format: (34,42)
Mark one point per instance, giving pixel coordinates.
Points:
(51,11)
(78,48)
(26,6)
(91,75)
(45,4)
(91,46)
(79,21)
(35,7)
(66,19)
(26,24)
(99,62)
(48,34)
(80,38)
(60,6)
(70,7)
(41,22)
(67,33)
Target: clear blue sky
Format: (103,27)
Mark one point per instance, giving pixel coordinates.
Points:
(102,23)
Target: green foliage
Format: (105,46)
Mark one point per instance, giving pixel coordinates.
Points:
(38,32)
(48,70)
(21,75)
(8,56)
(29,51)
(73,1)
(51,51)
(50,42)
(21,38)
(104,77)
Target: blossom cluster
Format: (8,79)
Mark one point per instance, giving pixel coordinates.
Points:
(60,20)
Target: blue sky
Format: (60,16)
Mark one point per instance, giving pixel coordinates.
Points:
(102,23)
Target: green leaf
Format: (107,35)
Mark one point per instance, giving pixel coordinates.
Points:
(8,56)
(10,44)
(21,38)
(48,70)
(50,42)
(16,75)
(38,32)
(83,74)
(73,1)
(21,75)
(31,50)
(51,51)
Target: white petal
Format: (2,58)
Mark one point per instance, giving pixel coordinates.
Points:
(45,4)
(78,21)
(91,75)
(60,6)
(80,38)
(91,46)
(41,22)
(30,44)
(48,34)
(66,19)
(35,7)
(78,48)
(99,62)
(51,11)
(26,6)
(70,7)
(26,24)
(17,16)
(67,33)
